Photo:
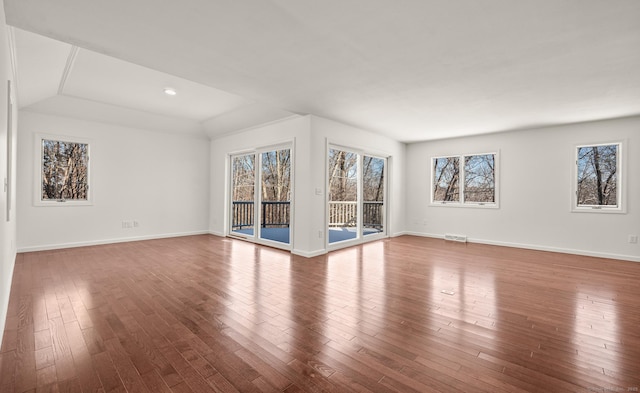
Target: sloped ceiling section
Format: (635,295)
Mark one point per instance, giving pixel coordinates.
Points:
(61,79)
(413,70)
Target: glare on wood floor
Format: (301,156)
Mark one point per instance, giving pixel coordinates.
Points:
(204,313)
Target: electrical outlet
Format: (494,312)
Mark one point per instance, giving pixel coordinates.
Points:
(136,223)
(633,239)
(320,234)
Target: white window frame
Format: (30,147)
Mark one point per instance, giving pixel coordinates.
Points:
(462,202)
(620,207)
(37,194)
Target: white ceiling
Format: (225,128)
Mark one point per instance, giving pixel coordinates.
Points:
(61,79)
(411,69)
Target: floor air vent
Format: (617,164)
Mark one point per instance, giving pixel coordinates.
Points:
(455,238)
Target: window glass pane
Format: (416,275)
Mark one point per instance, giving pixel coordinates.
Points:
(479,178)
(65,170)
(343,195)
(373,195)
(446,172)
(275,194)
(597,175)
(243,177)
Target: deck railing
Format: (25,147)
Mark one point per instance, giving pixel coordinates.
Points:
(273,214)
(372,214)
(345,214)
(278,214)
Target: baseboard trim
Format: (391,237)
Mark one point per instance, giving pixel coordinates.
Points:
(586,253)
(47,247)
(422,234)
(309,254)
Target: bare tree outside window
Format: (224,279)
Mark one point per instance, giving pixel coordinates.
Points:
(373,179)
(244,177)
(373,194)
(465,180)
(276,175)
(65,171)
(343,189)
(598,175)
(343,175)
(275,186)
(446,175)
(261,188)
(479,178)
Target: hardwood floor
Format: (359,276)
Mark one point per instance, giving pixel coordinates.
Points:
(203,313)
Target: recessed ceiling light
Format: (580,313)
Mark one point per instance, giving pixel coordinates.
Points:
(170,92)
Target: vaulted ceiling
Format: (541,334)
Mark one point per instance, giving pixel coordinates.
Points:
(411,69)
(61,79)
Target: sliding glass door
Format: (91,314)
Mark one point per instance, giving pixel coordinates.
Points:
(373,195)
(243,194)
(344,190)
(275,196)
(261,196)
(356,190)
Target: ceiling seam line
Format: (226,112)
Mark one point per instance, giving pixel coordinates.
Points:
(13,57)
(67,68)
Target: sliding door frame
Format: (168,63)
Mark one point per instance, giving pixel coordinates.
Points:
(360,237)
(257,196)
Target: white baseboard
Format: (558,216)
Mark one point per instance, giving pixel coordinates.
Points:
(309,254)
(47,247)
(586,253)
(422,234)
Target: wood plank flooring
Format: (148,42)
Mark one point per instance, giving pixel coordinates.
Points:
(209,314)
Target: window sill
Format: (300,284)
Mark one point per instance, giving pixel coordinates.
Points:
(466,205)
(599,210)
(66,203)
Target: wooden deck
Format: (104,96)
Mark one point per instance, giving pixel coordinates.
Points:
(205,313)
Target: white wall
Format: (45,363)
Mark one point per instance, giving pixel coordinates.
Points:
(310,134)
(7,228)
(159,179)
(535,191)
